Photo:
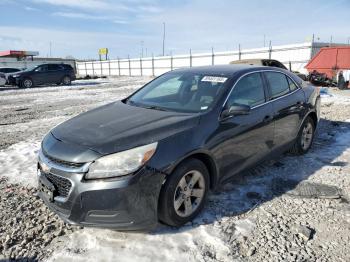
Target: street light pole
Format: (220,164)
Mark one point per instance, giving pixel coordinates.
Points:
(163,37)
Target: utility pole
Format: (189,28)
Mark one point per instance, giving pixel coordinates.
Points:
(348,40)
(163,37)
(142,49)
(50,49)
(330,44)
(264,40)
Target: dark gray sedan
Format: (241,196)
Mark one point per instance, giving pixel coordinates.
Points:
(156,154)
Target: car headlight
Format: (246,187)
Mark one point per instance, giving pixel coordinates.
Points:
(15,76)
(121,163)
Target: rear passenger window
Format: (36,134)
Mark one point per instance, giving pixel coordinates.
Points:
(292,85)
(278,84)
(54,67)
(248,91)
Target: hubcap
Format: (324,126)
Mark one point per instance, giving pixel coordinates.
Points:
(27,83)
(189,193)
(306,137)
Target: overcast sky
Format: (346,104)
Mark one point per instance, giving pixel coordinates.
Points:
(80,27)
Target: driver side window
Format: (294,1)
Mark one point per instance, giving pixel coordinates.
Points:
(42,68)
(248,91)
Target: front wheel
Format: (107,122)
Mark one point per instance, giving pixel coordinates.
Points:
(27,83)
(184,193)
(305,137)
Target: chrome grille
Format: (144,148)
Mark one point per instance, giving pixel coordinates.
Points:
(63,163)
(61,184)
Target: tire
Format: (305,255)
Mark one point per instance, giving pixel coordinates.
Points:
(66,80)
(178,190)
(27,83)
(305,137)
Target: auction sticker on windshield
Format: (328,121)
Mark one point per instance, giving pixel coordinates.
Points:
(215,79)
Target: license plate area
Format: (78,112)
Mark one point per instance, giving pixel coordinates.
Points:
(46,187)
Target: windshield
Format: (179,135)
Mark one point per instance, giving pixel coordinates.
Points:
(184,92)
(31,68)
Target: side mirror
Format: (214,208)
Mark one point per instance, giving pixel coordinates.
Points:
(235,110)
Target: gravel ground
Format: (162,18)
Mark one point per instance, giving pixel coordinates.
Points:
(289,209)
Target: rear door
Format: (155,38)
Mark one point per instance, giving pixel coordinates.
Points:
(55,73)
(245,139)
(288,101)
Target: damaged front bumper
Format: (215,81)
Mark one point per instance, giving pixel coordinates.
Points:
(124,203)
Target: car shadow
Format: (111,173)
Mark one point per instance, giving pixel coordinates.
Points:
(248,190)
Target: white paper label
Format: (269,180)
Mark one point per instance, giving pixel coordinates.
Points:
(215,79)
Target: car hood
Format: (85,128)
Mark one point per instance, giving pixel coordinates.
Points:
(18,73)
(117,127)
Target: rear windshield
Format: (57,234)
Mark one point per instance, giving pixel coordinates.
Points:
(183,92)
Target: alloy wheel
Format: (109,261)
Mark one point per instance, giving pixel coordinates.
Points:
(307,135)
(189,193)
(27,83)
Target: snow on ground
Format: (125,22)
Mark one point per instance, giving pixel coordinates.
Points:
(17,163)
(334,96)
(252,218)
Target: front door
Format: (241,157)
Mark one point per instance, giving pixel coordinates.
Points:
(39,75)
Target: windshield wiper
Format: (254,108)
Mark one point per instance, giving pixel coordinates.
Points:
(130,102)
(155,108)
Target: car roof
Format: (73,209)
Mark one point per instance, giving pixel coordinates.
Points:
(227,70)
(247,61)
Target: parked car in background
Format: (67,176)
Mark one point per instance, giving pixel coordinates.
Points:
(43,74)
(267,62)
(2,79)
(8,70)
(156,154)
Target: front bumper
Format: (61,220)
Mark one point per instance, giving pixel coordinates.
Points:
(13,81)
(127,203)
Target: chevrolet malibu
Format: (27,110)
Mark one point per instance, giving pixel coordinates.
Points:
(155,155)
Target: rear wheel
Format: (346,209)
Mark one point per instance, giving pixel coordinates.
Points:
(305,137)
(27,83)
(66,81)
(184,193)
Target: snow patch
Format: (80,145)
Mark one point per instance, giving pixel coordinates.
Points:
(244,227)
(18,163)
(164,245)
(335,98)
